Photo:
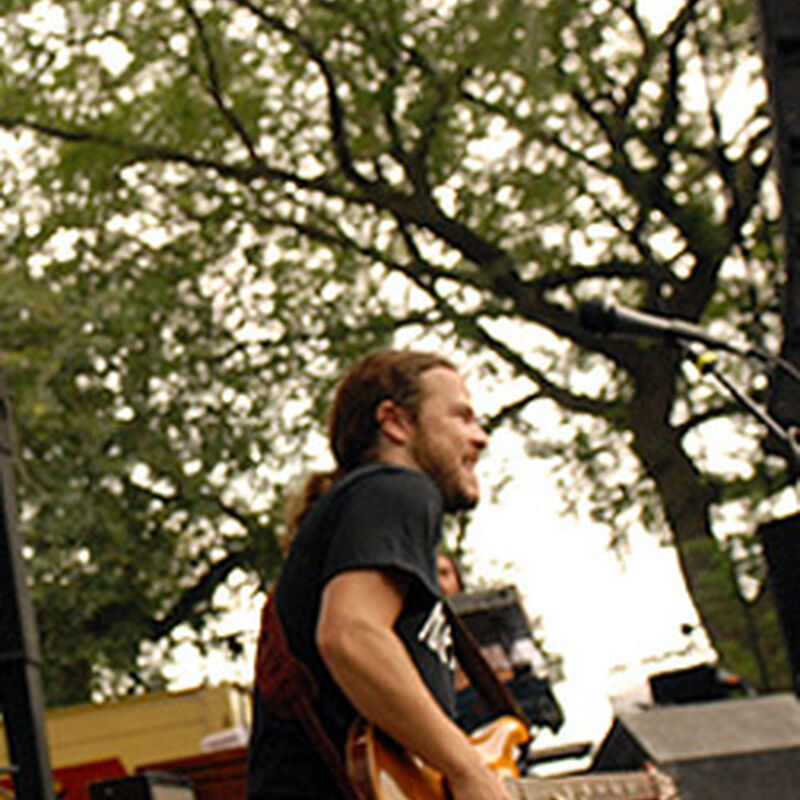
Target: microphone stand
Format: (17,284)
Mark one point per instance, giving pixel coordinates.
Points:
(707,364)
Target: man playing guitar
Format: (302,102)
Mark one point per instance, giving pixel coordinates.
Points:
(357,611)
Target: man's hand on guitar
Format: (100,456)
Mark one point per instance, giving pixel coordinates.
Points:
(495,746)
(478,783)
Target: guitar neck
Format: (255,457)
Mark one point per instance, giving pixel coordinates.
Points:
(612,786)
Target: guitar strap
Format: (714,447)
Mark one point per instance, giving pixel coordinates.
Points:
(494,692)
(289,690)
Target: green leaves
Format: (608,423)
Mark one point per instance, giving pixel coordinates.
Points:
(217,205)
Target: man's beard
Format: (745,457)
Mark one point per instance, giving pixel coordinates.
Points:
(445,475)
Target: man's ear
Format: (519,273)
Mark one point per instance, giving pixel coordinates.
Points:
(393,421)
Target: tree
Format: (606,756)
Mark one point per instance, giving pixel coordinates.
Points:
(217,204)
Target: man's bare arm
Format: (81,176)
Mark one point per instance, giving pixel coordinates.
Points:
(356,638)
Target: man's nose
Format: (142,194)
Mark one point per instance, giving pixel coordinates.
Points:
(480,437)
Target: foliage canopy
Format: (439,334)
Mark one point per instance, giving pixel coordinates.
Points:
(211,206)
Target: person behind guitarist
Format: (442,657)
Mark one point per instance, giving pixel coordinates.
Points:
(357,596)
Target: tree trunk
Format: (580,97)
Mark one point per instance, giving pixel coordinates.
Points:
(744,633)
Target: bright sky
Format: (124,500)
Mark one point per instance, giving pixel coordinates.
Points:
(613,620)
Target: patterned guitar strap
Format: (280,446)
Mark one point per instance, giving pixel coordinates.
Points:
(494,692)
(289,690)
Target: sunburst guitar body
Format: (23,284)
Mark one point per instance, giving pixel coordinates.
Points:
(381,770)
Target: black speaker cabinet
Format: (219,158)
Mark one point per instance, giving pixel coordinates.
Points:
(781,541)
(742,749)
(149,786)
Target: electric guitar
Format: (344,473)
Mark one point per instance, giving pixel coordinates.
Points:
(381,770)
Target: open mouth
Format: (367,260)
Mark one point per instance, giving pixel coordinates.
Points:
(470,462)
(468,466)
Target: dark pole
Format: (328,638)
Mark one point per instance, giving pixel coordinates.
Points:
(21,698)
(780,538)
(780,39)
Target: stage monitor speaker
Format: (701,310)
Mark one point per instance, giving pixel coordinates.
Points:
(781,541)
(741,749)
(148,786)
(697,684)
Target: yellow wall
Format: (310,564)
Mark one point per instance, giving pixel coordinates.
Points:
(141,730)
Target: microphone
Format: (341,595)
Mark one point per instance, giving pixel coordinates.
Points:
(605,318)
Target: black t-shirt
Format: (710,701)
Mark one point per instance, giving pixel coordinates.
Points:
(379,517)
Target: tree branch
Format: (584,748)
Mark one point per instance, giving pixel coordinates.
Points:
(565,398)
(214,87)
(510,410)
(336,112)
(573,275)
(193,599)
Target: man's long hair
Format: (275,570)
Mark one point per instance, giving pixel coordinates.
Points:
(353,430)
